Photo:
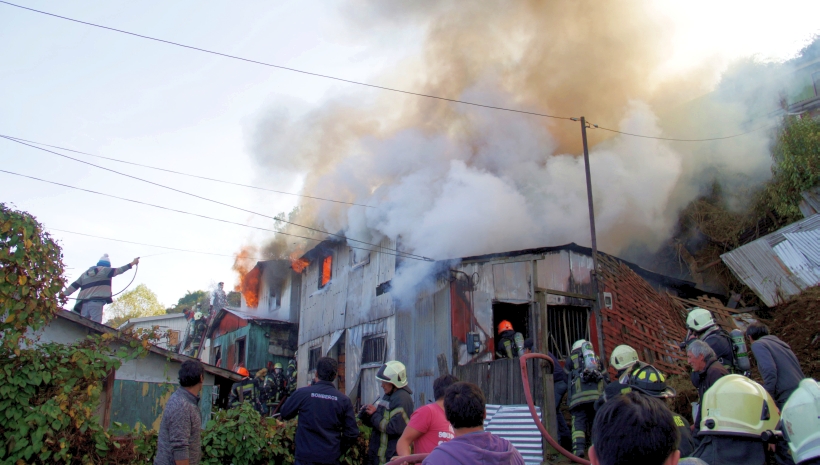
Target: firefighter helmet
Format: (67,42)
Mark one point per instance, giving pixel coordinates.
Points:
(243,371)
(504,326)
(801,421)
(738,406)
(623,357)
(393,372)
(277,365)
(578,343)
(648,380)
(699,319)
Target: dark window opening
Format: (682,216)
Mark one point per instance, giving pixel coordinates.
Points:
(217,356)
(313,357)
(274,299)
(240,352)
(373,350)
(326,272)
(517,314)
(566,325)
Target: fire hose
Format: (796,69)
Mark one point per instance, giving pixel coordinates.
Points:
(525,379)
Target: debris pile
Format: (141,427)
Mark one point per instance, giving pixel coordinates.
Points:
(798,324)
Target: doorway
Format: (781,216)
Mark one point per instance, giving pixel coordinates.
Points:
(517,314)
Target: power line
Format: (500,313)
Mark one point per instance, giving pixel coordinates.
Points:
(152,245)
(767,126)
(399,254)
(340,236)
(185,174)
(310,73)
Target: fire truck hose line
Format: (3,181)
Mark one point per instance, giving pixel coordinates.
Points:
(526,382)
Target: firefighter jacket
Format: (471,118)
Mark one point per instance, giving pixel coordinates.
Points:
(327,426)
(246,388)
(263,391)
(721,342)
(506,347)
(388,422)
(584,385)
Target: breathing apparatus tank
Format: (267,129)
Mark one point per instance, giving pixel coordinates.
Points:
(741,356)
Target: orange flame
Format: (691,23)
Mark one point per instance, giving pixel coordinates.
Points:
(298,264)
(248,283)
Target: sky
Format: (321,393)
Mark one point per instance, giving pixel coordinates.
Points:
(106,93)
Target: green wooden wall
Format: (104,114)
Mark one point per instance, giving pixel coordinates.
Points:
(256,346)
(143,402)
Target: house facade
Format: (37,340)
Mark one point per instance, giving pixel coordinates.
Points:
(171,327)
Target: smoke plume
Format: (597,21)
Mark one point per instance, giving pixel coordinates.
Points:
(454,180)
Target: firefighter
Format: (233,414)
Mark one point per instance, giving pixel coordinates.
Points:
(510,344)
(291,375)
(702,326)
(586,384)
(279,383)
(241,391)
(390,415)
(738,414)
(625,360)
(800,423)
(263,391)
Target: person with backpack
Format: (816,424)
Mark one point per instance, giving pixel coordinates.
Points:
(702,326)
(587,381)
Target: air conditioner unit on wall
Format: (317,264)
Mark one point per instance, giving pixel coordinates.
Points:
(608,300)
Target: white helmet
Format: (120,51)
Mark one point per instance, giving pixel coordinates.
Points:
(801,421)
(623,357)
(699,319)
(393,372)
(578,343)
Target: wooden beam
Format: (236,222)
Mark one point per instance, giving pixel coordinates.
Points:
(564,294)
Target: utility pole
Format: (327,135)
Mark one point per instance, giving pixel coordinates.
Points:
(596,308)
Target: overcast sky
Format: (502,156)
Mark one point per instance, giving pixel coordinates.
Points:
(115,95)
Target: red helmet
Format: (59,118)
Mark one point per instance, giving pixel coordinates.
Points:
(504,326)
(243,371)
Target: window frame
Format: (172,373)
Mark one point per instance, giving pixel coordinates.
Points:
(379,358)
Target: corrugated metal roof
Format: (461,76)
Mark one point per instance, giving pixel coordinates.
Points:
(515,424)
(780,265)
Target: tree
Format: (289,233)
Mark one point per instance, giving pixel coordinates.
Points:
(234,299)
(135,303)
(796,165)
(189,300)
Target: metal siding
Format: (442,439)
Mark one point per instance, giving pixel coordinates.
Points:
(515,424)
(226,341)
(795,261)
(142,402)
(511,282)
(258,355)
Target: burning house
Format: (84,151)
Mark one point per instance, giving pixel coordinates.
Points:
(348,311)
(262,331)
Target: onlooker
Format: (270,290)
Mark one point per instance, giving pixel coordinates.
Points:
(559,379)
(464,406)
(428,425)
(390,415)
(95,288)
(327,425)
(634,429)
(179,431)
(706,370)
(780,370)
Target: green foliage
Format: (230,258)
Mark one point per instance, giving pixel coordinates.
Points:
(49,396)
(235,299)
(135,303)
(31,280)
(189,300)
(796,166)
(241,436)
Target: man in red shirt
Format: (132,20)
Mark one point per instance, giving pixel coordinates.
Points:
(428,425)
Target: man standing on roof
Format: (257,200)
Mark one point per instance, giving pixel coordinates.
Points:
(95,288)
(390,415)
(219,299)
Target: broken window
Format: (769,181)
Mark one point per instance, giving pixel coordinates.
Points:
(217,356)
(373,349)
(274,299)
(359,257)
(566,325)
(517,314)
(173,338)
(326,272)
(313,357)
(240,352)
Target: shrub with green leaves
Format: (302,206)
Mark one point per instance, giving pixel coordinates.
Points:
(796,167)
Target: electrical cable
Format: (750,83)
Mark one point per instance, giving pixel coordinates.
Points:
(151,245)
(310,73)
(208,199)
(137,267)
(594,126)
(185,174)
(399,254)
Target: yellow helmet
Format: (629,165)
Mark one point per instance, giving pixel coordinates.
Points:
(736,405)
(277,365)
(393,372)
(623,357)
(801,421)
(699,319)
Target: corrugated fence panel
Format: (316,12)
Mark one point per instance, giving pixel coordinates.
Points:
(515,424)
